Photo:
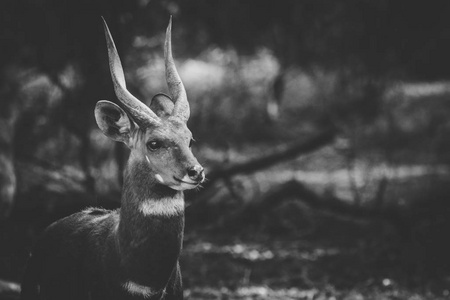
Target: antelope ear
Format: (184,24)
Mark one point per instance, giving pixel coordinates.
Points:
(162,105)
(113,121)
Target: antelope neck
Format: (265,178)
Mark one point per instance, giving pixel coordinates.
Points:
(149,241)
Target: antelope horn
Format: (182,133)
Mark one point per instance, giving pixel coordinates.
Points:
(176,87)
(140,112)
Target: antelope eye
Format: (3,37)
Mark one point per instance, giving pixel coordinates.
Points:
(154,145)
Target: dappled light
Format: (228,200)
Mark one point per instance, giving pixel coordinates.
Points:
(323,128)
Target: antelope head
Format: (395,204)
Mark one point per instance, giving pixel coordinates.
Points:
(158,137)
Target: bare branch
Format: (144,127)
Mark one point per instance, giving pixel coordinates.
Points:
(281,154)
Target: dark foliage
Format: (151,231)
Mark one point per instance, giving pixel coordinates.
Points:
(332,65)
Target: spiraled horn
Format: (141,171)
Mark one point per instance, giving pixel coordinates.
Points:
(140,112)
(176,87)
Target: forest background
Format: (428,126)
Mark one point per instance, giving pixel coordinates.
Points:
(323,125)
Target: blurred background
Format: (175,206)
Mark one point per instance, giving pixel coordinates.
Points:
(324,127)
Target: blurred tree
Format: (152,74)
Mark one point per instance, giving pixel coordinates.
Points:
(58,46)
(53,69)
(53,74)
(383,37)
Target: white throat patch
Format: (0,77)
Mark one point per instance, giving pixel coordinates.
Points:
(137,289)
(163,207)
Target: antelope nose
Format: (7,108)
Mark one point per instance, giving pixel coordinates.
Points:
(196,173)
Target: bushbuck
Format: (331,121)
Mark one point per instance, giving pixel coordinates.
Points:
(133,252)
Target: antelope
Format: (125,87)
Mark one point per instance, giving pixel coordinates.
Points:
(132,252)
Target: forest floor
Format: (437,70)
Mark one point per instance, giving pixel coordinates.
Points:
(298,252)
(295,251)
(342,264)
(342,259)
(330,257)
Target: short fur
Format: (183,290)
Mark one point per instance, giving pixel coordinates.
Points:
(94,253)
(130,253)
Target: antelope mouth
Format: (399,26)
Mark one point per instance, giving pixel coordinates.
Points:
(186,182)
